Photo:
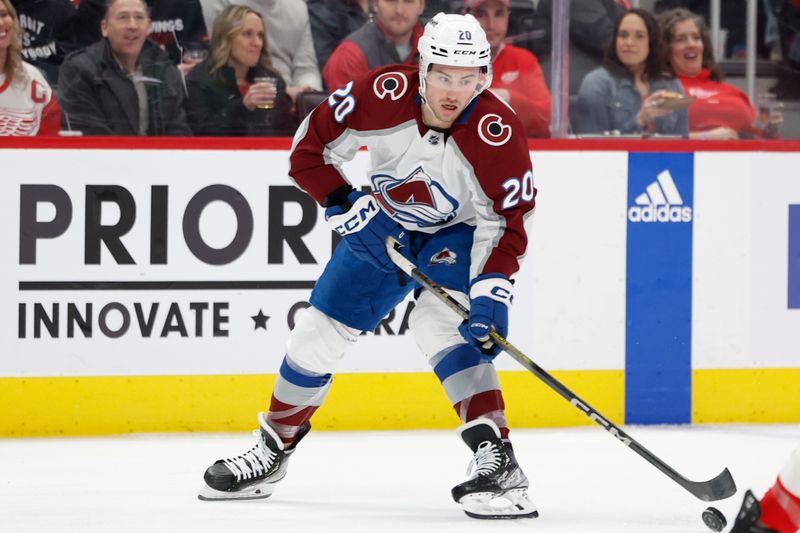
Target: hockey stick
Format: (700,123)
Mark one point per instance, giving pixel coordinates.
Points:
(719,488)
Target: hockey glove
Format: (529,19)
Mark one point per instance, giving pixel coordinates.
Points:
(365,227)
(490,297)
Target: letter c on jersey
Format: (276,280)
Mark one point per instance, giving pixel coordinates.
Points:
(393,84)
(492,130)
(38,93)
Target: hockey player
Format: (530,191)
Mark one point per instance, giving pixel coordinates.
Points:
(452,182)
(779,509)
(27,104)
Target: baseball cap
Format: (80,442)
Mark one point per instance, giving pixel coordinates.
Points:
(474,4)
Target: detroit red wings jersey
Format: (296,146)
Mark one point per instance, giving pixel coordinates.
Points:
(28,108)
(478,174)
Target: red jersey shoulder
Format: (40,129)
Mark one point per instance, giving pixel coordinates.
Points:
(514,56)
(383,98)
(494,121)
(394,82)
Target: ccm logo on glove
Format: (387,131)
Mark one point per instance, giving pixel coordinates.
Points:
(490,297)
(356,217)
(364,227)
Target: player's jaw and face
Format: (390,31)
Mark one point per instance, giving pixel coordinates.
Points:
(493,17)
(633,45)
(448,90)
(399,17)
(247,43)
(686,48)
(126,27)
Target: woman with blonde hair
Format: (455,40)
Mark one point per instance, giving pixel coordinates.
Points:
(27,104)
(236,91)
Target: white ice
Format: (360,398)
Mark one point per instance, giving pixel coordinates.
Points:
(583,480)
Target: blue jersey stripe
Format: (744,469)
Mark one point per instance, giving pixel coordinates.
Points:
(459,358)
(302,380)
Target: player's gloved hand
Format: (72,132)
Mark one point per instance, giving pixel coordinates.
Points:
(365,227)
(490,297)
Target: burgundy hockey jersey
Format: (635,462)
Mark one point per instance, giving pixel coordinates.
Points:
(478,173)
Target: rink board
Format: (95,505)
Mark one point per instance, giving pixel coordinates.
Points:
(135,281)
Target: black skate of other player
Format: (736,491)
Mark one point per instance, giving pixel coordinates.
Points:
(497,487)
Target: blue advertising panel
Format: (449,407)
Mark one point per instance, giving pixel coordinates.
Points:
(658,371)
(794,256)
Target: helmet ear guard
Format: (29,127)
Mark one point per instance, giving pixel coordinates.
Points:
(454,41)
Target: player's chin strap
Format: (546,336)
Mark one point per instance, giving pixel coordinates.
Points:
(718,488)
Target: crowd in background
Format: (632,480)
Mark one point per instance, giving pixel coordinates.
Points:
(257,67)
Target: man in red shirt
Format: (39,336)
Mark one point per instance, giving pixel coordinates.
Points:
(518,78)
(389,39)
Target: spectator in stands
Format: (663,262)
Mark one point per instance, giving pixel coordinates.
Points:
(629,93)
(288,39)
(721,110)
(389,39)
(177,26)
(225,97)
(27,105)
(733,20)
(517,76)
(591,28)
(123,84)
(46,33)
(332,21)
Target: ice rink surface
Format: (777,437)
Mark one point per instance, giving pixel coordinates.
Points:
(583,480)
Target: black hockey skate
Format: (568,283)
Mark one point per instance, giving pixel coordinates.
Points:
(253,474)
(497,487)
(747,519)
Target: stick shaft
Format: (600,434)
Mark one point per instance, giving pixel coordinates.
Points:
(718,488)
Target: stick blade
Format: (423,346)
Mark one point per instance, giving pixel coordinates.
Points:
(721,487)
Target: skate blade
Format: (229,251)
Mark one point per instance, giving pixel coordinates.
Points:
(253,492)
(493,506)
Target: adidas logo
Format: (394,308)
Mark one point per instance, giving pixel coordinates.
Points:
(661,202)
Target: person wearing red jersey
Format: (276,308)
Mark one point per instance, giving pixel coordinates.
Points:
(451,181)
(27,104)
(720,111)
(779,509)
(390,38)
(517,77)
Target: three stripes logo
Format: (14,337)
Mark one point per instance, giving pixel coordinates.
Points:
(661,202)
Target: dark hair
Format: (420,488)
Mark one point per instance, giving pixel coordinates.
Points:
(669,19)
(654,63)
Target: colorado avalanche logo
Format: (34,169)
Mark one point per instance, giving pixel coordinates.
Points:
(445,257)
(392,84)
(416,199)
(492,130)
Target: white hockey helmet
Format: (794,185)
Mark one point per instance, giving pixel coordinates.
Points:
(454,41)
